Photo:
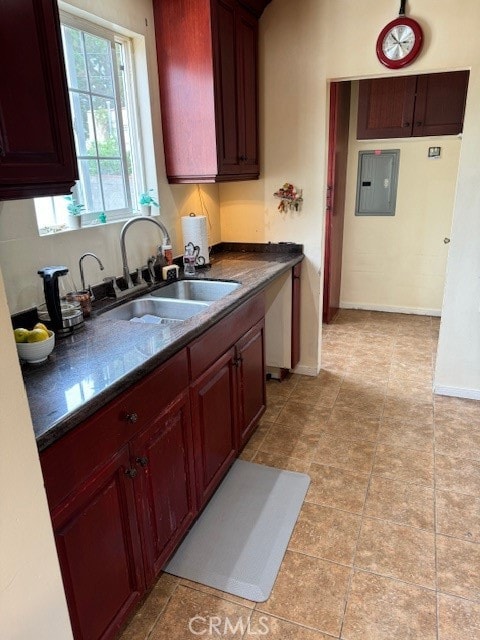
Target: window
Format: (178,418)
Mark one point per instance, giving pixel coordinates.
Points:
(100,84)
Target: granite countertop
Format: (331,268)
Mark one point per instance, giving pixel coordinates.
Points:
(89,368)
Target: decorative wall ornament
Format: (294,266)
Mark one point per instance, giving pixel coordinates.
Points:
(291,198)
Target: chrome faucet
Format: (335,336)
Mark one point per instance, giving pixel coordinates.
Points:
(80,266)
(126,270)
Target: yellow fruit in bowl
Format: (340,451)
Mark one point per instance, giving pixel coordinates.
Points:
(21,335)
(40,325)
(37,335)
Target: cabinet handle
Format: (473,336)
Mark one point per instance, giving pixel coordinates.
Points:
(418,123)
(131,473)
(131,418)
(236,361)
(142,461)
(243,158)
(406,124)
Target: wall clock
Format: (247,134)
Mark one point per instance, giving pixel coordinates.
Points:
(400,41)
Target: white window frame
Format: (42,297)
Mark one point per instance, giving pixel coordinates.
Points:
(57,203)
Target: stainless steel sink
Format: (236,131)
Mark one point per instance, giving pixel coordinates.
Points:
(153,311)
(200,290)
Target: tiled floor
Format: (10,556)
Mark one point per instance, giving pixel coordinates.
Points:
(387,545)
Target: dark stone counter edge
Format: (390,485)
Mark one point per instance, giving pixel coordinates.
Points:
(81,413)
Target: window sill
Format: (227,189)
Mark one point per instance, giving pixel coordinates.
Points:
(63,228)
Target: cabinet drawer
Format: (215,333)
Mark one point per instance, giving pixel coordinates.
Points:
(214,342)
(70,461)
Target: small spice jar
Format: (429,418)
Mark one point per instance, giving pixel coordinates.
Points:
(168,253)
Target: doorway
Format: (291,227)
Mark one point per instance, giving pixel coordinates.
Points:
(399,264)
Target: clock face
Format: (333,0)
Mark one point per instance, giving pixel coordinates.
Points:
(399,43)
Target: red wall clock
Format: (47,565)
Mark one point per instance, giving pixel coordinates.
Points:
(400,41)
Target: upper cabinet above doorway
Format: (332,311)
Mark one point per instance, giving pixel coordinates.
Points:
(401,107)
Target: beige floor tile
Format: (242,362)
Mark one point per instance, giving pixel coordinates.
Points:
(457,474)
(283,387)
(260,432)
(353,455)
(397,551)
(362,402)
(458,619)
(326,533)
(291,439)
(458,515)
(274,406)
(303,416)
(248,453)
(400,502)
(320,391)
(458,567)
(219,594)
(401,409)
(337,488)
(309,591)
(455,408)
(281,461)
(189,613)
(458,440)
(406,433)
(352,425)
(272,628)
(143,621)
(385,609)
(407,465)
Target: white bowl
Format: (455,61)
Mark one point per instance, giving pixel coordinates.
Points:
(36,351)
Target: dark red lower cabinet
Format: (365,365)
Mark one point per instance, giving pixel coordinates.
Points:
(165,484)
(99,550)
(213,398)
(250,358)
(125,485)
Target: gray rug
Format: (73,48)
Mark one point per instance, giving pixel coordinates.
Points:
(238,542)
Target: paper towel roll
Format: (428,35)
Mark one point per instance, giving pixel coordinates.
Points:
(194,229)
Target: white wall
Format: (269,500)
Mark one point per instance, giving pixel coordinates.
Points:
(32,601)
(398,263)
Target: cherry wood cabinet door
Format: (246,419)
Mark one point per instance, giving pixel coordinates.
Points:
(246,30)
(166,501)
(250,362)
(440,103)
(213,401)
(98,543)
(37,153)
(385,107)
(226,103)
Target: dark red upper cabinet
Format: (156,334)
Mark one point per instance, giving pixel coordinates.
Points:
(400,107)
(36,139)
(207,60)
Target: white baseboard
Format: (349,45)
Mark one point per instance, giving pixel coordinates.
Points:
(456,392)
(391,309)
(306,371)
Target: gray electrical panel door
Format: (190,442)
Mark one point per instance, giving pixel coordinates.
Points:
(377,182)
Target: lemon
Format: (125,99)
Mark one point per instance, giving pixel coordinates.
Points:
(37,335)
(21,335)
(40,325)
